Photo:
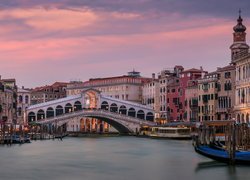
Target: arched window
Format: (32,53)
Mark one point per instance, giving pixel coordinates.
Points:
(150,116)
(123,110)
(59,110)
(113,108)
(40,114)
(31,117)
(77,106)
(105,105)
(50,112)
(26,99)
(68,108)
(131,112)
(141,114)
(20,98)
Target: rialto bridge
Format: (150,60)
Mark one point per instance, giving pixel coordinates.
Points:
(125,116)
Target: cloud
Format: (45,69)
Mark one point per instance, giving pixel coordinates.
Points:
(224,8)
(47,40)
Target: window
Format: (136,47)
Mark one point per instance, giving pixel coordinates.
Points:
(19,111)
(227,74)
(20,99)
(26,99)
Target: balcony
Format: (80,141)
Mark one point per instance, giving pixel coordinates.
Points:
(222,110)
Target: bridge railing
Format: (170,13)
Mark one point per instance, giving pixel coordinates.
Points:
(96,112)
(120,116)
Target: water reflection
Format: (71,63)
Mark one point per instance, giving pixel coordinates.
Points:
(111,158)
(209,165)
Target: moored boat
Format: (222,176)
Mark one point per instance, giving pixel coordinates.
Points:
(170,132)
(240,157)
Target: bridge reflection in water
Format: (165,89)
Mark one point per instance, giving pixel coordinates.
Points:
(127,117)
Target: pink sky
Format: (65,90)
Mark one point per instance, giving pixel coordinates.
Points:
(40,45)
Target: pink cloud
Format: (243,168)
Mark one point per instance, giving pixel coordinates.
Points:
(42,56)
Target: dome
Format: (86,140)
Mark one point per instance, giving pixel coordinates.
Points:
(239,27)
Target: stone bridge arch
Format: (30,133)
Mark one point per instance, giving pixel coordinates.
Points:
(120,127)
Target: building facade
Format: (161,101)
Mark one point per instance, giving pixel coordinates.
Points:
(48,93)
(241,59)
(226,92)
(151,95)
(8,101)
(23,101)
(208,95)
(127,87)
(176,92)
(191,101)
(163,82)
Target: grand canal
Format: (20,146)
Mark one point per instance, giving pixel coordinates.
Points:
(111,158)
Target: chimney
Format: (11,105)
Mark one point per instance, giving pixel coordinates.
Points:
(201,68)
(153,75)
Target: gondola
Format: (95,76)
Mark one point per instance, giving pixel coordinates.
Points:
(219,154)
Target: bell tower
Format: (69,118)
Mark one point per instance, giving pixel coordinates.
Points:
(239,46)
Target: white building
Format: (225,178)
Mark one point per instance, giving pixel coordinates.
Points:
(151,95)
(23,101)
(127,87)
(241,58)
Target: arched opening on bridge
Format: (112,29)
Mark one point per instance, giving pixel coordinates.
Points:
(40,114)
(105,105)
(68,108)
(113,107)
(123,110)
(150,116)
(141,114)
(59,110)
(247,118)
(50,112)
(91,99)
(31,117)
(131,112)
(77,106)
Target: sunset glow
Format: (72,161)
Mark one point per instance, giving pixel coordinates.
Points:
(60,41)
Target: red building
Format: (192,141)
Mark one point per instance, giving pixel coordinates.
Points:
(176,88)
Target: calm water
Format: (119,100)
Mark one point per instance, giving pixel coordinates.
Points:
(111,158)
